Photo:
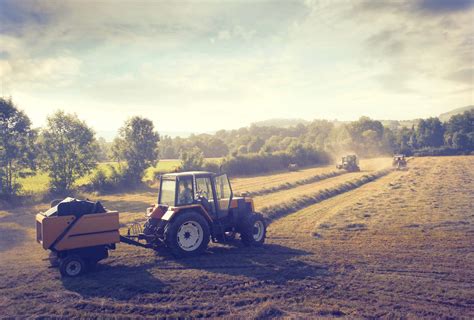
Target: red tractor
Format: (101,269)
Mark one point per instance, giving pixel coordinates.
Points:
(196,207)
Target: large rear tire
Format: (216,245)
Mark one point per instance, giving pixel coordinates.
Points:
(187,235)
(253,230)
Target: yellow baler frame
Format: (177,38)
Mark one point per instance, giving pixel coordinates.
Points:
(70,232)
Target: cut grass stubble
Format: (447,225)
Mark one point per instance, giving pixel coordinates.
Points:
(273,212)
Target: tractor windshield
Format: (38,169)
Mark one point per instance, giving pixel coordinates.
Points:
(167,192)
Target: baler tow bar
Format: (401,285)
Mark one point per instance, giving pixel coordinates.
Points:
(134,235)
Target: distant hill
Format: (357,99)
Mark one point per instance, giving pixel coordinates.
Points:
(280,123)
(447,115)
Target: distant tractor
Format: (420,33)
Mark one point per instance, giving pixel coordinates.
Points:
(399,161)
(196,207)
(293,167)
(349,163)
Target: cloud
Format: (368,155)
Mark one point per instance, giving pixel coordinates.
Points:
(311,59)
(464,76)
(444,6)
(39,72)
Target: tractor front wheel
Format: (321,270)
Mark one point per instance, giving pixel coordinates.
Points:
(187,235)
(72,266)
(253,230)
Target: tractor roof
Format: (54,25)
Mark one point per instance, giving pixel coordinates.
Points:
(188,173)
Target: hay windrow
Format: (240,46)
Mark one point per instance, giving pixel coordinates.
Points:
(277,211)
(290,185)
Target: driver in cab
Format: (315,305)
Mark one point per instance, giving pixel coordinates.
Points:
(185,193)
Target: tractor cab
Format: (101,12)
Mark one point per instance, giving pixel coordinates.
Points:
(209,190)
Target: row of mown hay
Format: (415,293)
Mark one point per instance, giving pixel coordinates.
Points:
(274,212)
(290,185)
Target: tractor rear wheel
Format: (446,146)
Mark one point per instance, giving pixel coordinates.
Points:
(253,230)
(187,235)
(72,266)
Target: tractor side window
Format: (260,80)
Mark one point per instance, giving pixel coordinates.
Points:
(223,191)
(167,192)
(204,190)
(185,195)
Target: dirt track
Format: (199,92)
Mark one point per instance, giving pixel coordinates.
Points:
(401,246)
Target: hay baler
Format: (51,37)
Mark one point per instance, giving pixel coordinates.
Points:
(78,234)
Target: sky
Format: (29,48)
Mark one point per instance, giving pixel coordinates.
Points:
(201,66)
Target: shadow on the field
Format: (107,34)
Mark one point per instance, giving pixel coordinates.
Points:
(270,262)
(119,282)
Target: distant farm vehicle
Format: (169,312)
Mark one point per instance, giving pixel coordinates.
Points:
(349,163)
(293,167)
(193,208)
(399,161)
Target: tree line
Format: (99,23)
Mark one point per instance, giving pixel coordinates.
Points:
(365,137)
(67,148)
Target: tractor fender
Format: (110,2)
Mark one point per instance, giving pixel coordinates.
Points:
(173,212)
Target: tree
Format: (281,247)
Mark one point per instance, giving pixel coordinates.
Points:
(458,131)
(460,141)
(255,144)
(17,148)
(242,150)
(216,148)
(68,150)
(366,136)
(430,133)
(192,159)
(137,145)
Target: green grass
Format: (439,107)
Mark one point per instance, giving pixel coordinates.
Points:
(39,182)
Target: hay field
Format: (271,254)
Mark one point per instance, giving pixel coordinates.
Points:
(399,245)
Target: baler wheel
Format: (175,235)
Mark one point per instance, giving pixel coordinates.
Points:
(72,266)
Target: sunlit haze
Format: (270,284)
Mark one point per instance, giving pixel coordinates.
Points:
(203,66)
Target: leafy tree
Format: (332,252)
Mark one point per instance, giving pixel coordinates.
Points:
(430,133)
(413,141)
(255,144)
(17,148)
(68,150)
(192,159)
(242,150)
(460,141)
(459,128)
(367,135)
(215,148)
(137,145)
